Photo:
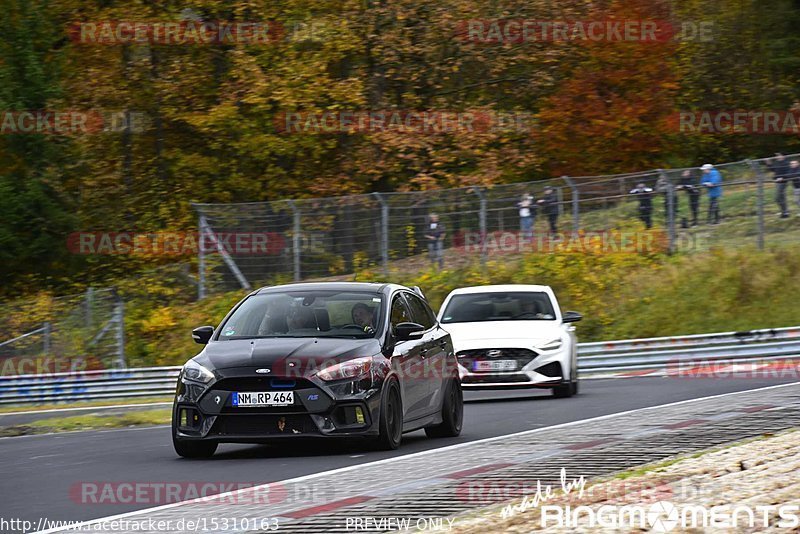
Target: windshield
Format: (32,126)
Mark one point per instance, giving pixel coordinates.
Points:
(346,314)
(516,306)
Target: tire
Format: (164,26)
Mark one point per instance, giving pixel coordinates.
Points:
(563,391)
(452,412)
(567,390)
(192,448)
(391,422)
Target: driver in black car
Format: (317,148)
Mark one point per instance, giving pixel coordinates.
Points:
(362,316)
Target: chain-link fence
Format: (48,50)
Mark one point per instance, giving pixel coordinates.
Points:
(248,244)
(63,334)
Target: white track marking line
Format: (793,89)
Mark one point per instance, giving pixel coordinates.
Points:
(412,455)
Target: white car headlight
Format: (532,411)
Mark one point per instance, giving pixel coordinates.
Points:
(194,371)
(551,345)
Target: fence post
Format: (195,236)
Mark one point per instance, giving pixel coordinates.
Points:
(295,239)
(482,221)
(760,201)
(119,317)
(201,260)
(46,343)
(89,306)
(384,246)
(670,211)
(576,207)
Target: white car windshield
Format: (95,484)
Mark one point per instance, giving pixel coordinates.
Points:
(512,306)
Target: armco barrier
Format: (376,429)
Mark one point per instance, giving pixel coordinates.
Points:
(594,358)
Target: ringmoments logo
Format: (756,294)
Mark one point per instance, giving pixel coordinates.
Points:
(664,516)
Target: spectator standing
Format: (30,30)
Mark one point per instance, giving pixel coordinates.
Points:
(527,216)
(780,170)
(793,175)
(645,197)
(688,184)
(435,234)
(712,181)
(549,204)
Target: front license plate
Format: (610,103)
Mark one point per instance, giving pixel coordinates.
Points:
(263,398)
(496,365)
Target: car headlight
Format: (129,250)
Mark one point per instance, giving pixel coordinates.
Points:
(551,345)
(349,369)
(194,371)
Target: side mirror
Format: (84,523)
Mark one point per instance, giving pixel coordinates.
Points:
(202,334)
(407,331)
(571,317)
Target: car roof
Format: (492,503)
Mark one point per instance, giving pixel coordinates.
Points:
(501,289)
(376,287)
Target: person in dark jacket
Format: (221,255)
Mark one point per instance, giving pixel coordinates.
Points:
(793,175)
(549,205)
(645,197)
(688,184)
(780,170)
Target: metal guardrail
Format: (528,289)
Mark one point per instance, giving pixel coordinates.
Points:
(594,358)
(88,385)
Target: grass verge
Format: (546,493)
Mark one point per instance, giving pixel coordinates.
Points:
(89,422)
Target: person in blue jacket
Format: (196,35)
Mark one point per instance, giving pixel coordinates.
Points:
(712,181)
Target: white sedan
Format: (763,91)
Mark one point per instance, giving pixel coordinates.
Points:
(512,336)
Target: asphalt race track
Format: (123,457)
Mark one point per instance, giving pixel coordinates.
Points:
(39,471)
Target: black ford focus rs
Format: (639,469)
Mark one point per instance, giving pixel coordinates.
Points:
(319,360)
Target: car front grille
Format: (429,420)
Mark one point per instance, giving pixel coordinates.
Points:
(487,378)
(467,358)
(263,425)
(258,383)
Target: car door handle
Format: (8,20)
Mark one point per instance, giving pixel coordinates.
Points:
(423,352)
(443,343)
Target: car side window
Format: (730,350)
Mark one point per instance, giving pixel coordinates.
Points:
(399,312)
(420,313)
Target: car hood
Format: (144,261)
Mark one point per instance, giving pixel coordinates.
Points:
(276,353)
(466,335)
